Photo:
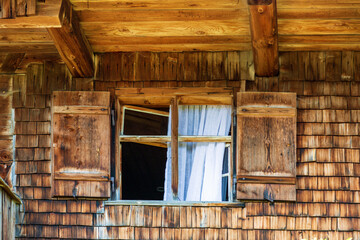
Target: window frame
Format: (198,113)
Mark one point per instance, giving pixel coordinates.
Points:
(173,97)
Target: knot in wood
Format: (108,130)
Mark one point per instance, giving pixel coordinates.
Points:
(267,143)
(260,10)
(270,42)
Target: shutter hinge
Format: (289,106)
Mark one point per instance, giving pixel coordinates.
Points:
(268,196)
(112,180)
(113,117)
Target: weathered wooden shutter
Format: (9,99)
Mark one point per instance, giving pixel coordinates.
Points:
(81,144)
(266,146)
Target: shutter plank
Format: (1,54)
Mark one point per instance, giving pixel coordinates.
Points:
(266,146)
(81,144)
(266,191)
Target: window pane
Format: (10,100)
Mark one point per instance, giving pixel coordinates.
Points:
(144,122)
(204,120)
(200,171)
(224,188)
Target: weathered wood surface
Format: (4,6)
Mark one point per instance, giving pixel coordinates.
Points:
(328,199)
(11,62)
(72,45)
(25,7)
(264,34)
(7,9)
(153,25)
(42,14)
(174,147)
(159,139)
(8,207)
(212,20)
(81,144)
(6,119)
(13,9)
(266,146)
(163,97)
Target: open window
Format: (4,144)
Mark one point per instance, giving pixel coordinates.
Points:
(155,125)
(151,130)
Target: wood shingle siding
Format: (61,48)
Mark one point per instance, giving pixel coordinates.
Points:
(327,172)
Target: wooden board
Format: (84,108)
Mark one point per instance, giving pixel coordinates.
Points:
(47,15)
(81,144)
(71,43)
(6,116)
(264,34)
(163,96)
(266,145)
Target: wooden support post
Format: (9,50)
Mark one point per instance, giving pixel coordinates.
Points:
(264,34)
(174,147)
(72,44)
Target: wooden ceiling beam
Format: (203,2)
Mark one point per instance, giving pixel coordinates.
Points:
(72,44)
(264,34)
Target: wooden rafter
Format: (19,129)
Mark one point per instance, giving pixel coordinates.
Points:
(264,33)
(72,44)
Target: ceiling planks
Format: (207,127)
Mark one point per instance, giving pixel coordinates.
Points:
(163,26)
(154,25)
(184,25)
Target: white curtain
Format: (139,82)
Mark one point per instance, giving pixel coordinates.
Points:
(200,164)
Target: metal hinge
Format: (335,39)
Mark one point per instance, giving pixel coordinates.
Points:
(112,180)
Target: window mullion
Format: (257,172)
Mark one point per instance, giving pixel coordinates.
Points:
(174,147)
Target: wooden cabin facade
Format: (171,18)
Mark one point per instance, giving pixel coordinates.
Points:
(53,64)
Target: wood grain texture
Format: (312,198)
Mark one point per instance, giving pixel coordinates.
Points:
(174,147)
(25,7)
(6,116)
(11,62)
(157,4)
(81,144)
(264,33)
(72,45)
(47,15)
(7,9)
(271,151)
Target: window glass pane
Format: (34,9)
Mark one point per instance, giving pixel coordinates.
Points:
(225,168)
(204,120)
(225,188)
(143,122)
(200,172)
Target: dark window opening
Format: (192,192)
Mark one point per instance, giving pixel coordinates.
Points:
(143,171)
(143,164)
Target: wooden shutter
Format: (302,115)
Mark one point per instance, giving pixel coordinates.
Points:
(81,144)
(266,146)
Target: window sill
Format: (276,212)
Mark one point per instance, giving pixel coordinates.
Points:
(173,203)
